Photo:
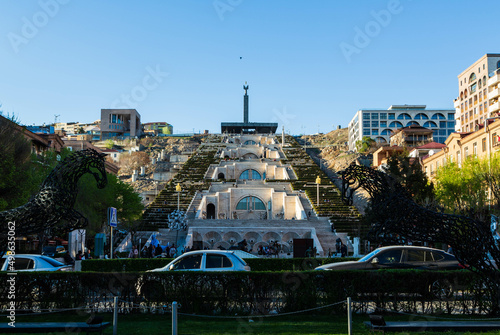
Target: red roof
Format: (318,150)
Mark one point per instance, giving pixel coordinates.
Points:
(432,145)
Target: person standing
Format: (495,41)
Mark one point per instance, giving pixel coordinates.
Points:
(343,249)
(172,251)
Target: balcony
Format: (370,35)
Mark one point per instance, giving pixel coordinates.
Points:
(456,103)
(495,107)
(494,78)
(494,93)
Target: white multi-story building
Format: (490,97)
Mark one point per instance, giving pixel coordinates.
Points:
(478,93)
(380,124)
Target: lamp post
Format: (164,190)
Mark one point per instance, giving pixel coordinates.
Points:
(318,181)
(178,189)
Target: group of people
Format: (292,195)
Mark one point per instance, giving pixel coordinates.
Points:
(151,251)
(271,250)
(82,256)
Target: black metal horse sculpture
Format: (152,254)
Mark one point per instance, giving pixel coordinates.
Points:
(54,202)
(397,219)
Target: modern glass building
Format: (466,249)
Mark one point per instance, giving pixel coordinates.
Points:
(380,124)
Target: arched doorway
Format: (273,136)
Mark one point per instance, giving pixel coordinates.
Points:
(210,211)
(220,176)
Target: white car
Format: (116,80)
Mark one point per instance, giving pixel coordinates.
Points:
(29,262)
(206,260)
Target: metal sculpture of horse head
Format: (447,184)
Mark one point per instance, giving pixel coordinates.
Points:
(57,195)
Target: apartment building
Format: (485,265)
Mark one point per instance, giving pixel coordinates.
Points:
(381,124)
(478,93)
(459,146)
(120,123)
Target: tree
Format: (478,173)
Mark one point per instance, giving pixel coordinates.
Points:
(134,161)
(408,172)
(365,144)
(464,189)
(93,202)
(17,183)
(109,144)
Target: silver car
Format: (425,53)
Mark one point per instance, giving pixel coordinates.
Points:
(206,260)
(31,262)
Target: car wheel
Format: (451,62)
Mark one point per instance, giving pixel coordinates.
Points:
(441,289)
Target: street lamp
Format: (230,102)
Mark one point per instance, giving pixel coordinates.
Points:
(178,189)
(318,181)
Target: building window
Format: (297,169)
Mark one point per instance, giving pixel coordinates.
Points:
(374,116)
(396,124)
(366,124)
(430,124)
(443,124)
(366,132)
(251,203)
(466,152)
(474,149)
(375,132)
(473,88)
(250,174)
(472,77)
(439,116)
(404,116)
(383,123)
(459,159)
(451,124)
(412,123)
(374,123)
(498,64)
(392,116)
(383,116)
(386,132)
(366,116)
(421,116)
(483,144)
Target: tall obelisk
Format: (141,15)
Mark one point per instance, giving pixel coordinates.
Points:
(245,104)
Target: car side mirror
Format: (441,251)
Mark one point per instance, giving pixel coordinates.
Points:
(375,261)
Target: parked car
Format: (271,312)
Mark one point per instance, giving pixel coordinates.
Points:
(28,262)
(400,257)
(52,250)
(206,260)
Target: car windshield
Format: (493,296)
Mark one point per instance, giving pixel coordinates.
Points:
(370,255)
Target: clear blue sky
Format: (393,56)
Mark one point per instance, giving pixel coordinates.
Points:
(306,64)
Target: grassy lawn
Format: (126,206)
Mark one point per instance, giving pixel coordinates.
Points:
(292,324)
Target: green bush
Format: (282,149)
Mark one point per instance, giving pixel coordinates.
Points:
(228,293)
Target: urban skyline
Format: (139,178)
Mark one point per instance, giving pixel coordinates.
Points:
(310,65)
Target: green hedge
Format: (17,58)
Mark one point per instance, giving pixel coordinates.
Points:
(256,264)
(228,293)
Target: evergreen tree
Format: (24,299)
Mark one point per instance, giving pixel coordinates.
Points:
(408,172)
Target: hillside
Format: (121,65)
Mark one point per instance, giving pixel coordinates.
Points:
(332,148)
